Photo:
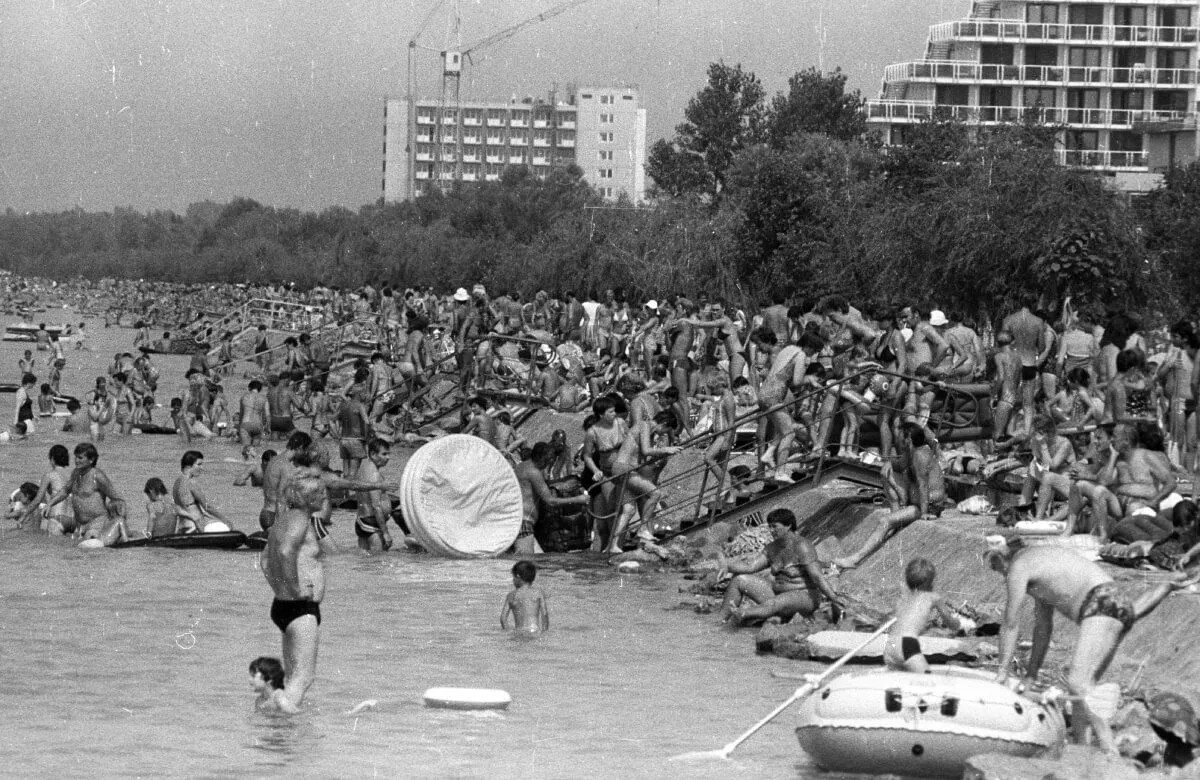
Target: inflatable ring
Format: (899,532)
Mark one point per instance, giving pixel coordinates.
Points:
(467,698)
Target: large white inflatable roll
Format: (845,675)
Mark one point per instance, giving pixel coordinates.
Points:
(461,498)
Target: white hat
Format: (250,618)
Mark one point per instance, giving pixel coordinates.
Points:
(937,318)
(652,304)
(461,294)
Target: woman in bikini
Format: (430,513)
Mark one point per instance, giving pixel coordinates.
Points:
(61,520)
(1130,395)
(885,390)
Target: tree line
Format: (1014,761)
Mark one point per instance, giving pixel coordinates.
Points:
(751,195)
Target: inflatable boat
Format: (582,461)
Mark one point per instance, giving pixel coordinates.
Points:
(925,725)
(223,540)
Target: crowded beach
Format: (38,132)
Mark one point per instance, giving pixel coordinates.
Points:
(667,433)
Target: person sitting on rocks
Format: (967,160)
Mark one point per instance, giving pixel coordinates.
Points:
(782,581)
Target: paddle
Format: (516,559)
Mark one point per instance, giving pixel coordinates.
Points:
(800,693)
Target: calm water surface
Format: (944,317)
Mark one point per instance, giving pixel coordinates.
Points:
(133,662)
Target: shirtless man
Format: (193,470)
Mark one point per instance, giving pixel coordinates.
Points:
(374,506)
(254,415)
(1033,348)
(531,476)
(682,333)
(281,402)
(926,344)
(1134,478)
(294,566)
(99,509)
(775,317)
(193,508)
(788,364)
(783,580)
(355,429)
(1061,581)
(275,473)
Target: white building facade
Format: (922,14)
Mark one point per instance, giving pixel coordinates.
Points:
(602,129)
(1114,75)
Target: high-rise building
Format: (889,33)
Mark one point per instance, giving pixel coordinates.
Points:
(602,129)
(1118,76)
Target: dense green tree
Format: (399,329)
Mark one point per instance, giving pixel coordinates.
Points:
(816,102)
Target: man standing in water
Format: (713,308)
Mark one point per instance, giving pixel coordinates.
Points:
(1058,580)
(275,474)
(294,566)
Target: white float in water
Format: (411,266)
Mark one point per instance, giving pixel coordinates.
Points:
(467,698)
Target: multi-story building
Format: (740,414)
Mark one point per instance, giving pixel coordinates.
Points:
(601,129)
(1118,76)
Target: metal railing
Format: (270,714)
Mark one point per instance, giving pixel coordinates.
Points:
(969,72)
(692,511)
(1108,159)
(1037,32)
(918,110)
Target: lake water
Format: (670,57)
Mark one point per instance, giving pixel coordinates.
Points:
(133,662)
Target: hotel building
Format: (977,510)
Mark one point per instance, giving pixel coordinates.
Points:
(602,129)
(1119,78)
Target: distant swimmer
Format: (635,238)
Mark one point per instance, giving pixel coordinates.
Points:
(525,604)
(266,677)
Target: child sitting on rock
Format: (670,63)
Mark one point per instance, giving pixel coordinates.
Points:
(903,649)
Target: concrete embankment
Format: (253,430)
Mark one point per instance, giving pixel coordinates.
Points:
(1162,645)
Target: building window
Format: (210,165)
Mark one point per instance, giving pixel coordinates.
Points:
(607,192)
(606,155)
(606,119)
(606,100)
(1039,13)
(626,97)
(586,96)
(605,173)
(606,138)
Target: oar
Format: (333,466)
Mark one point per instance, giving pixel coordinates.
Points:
(800,693)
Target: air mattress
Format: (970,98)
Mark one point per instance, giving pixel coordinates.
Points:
(224,540)
(467,698)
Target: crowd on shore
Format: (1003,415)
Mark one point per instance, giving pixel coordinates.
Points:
(1092,420)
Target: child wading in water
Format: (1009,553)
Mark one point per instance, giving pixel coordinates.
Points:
(903,649)
(266,677)
(525,604)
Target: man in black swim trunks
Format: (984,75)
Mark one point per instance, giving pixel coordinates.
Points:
(1059,580)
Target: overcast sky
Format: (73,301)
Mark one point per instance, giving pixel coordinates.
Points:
(160,103)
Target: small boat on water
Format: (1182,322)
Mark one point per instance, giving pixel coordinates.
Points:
(222,540)
(24,331)
(923,725)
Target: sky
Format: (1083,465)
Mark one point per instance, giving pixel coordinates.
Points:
(155,104)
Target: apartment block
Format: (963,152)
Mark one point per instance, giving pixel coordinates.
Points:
(1118,78)
(602,129)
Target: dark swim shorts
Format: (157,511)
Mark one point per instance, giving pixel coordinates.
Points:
(1107,600)
(266,518)
(284,612)
(909,646)
(1029,373)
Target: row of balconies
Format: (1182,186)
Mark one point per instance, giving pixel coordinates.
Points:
(513,121)
(1032,32)
(1103,159)
(958,71)
(496,140)
(904,111)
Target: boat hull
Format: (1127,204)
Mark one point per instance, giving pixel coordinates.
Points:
(922,725)
(224,540)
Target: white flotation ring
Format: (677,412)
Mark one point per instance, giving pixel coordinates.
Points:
(467,698)
(91,544)
(923,725)
(461,498)
(1039,527)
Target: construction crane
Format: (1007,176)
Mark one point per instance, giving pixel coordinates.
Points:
(453,57)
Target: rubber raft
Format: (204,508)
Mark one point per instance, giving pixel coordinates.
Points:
(460,498)
(221,540)
(924,725)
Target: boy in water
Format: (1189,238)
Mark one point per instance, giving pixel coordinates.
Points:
(266,677)
(903,649)
(525,603)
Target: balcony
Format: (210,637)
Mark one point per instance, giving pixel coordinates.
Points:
(470,177)
(567,143)
(518,122)
(541,142)
(516,159)
(449,120)
(424,157)
(472,121)
(967,72)
(517,140)
(540,161)
(424,139)
(424,119)
(909,111)
(495,121)
(1017,31)
(541,124)
(495,158)
(495,140)
(470,157)
(566,124)
(421,174)
(1102,160)
(472,139)
(491,177)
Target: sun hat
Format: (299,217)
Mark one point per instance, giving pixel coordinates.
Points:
(652,304)
(461,294)
(937,318)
